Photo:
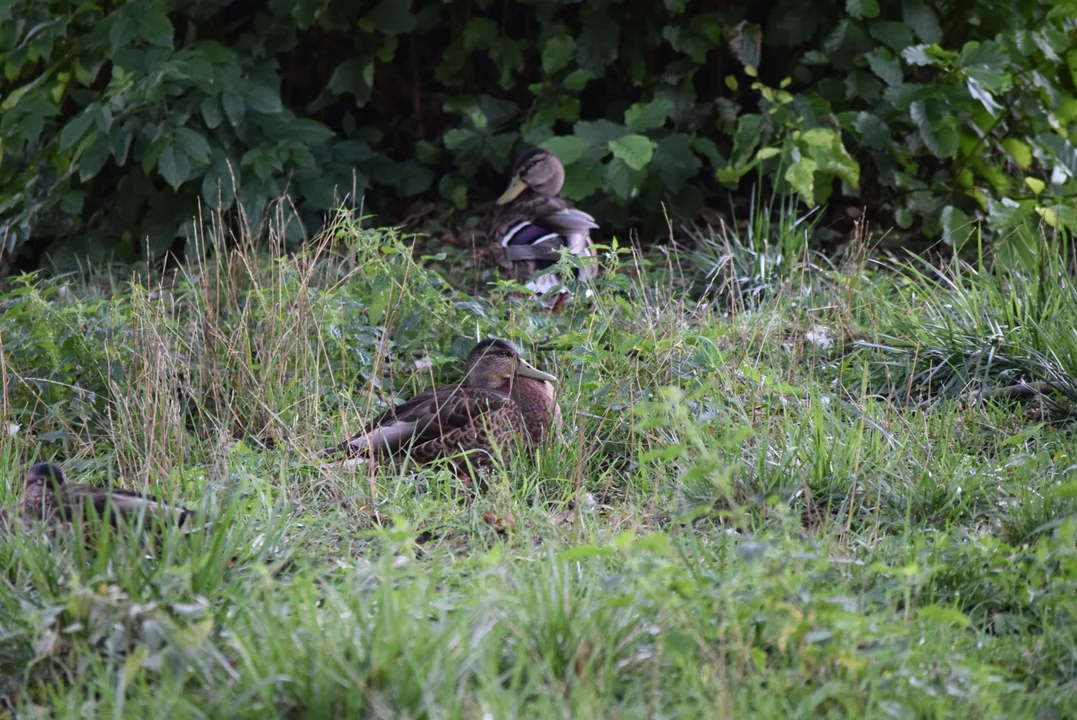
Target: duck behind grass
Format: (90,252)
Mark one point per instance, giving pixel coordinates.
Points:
(49,498)
(532,224)
(503,404)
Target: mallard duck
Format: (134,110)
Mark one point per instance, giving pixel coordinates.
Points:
(501,398)
(532,224)
(48,497)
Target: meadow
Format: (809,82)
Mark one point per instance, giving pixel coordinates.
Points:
(784,486)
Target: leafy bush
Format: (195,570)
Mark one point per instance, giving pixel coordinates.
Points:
(121,122)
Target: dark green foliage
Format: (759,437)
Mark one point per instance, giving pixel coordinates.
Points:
(122,121)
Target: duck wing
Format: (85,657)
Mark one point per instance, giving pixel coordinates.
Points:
(427,416)
(537,228)
(109,502)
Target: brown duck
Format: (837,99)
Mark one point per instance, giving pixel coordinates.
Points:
(49,498)
(532,224)
(502,400)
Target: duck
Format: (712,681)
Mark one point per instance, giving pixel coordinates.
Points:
(49,498)
(531,224)
(504,402)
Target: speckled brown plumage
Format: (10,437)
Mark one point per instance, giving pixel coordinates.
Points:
(49,498)
(503,404)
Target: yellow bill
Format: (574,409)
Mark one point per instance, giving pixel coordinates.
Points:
(516,187)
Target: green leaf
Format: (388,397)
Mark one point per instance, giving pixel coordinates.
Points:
(95,157)
(677,163)
(938,129)
(234,107)
(480,33)
(220,181)
(567,148)
(354,76)
(577,80)
(801,176)
(825,147)
(584,552)
(622,179)
(152,24)
(642,117)
(886,66)
(174,166)
(862,8)
(598,132)
(211,112)
(957,228)
(747,136)
(391,17)
(894,34)
(557,53)
(635,151)
(75,129)
(922,20)
(1063,151)
(873,132)
(583,178)
(263,99)
(944,616)
(193,145)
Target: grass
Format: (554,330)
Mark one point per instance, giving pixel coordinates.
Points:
(812,496)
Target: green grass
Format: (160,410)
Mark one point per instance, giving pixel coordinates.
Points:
(734,519)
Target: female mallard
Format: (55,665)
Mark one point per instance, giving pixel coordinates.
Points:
(532,224)
(48,497)
(502,397)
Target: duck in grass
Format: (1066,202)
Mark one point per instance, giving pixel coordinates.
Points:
(532,224)
(50,498)
(503,400)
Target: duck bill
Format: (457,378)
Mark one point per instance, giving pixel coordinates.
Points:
(527,370)
(516,187)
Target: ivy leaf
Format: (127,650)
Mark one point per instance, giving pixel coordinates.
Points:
(862,8)
(886,66)
(801,176)
(76,128)
(557,53)
(635,151)
(641,117)
(174,166)
(922,20)
(567,148)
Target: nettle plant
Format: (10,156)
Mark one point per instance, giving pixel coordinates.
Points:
(122,122)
